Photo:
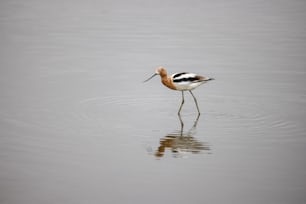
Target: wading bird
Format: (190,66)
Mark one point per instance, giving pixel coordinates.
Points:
(183,81)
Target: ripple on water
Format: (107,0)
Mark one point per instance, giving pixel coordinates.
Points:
(97,107)
(234,115)
(253,117)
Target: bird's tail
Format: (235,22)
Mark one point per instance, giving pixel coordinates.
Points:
(209,79)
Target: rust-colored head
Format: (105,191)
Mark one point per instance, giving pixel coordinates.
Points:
(159,71)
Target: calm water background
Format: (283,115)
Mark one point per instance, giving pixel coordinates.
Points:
(77,125)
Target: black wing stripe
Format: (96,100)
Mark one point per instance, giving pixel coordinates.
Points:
(190,79)
(179,74)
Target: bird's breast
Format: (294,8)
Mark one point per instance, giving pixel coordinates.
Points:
(168,83)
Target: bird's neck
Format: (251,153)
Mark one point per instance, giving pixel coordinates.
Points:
(167,82)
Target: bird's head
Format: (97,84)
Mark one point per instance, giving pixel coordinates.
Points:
(159,71)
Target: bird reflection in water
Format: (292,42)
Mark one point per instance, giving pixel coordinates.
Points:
(181,142)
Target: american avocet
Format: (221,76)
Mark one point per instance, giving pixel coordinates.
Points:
(183,81)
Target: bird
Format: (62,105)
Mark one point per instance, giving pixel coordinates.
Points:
(183,81)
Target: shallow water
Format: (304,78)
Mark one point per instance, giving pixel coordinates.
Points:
(77,125)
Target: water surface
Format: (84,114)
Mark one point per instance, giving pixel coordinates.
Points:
(77,125)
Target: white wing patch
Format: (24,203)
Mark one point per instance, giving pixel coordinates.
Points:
(187,81)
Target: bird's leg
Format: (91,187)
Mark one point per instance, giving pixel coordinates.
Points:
(195,101)
(195,124)
(182,124)
(179,112)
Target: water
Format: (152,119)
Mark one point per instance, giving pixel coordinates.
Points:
(77,125)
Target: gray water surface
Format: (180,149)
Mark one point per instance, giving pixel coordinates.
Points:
(77,125)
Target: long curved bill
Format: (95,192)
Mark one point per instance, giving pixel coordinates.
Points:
(150,77)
